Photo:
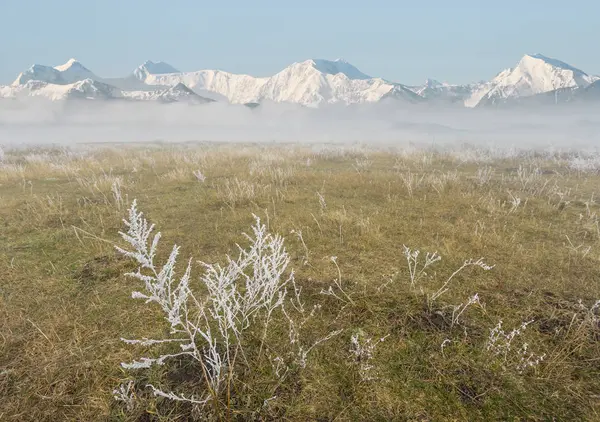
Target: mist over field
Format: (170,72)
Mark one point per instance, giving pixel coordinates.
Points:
(26,123)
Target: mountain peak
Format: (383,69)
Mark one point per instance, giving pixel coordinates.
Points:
(153,68)
(432,83)
(534,74)
(180,92)
(334,67)
(181,87)
(160,65)
(531,59)
(67,73)
(71,63)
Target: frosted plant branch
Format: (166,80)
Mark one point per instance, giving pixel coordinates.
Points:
(458,310)
(304,351)
(322,202)
(500,344)
(362,349)
(241,296)
(484,175)
(412,259)
(578,249)
(515,201)
(125,393)
(468,263)
(362,164)
(298,234)
(177,397)
(588,317)
(528,175)
(338,284)
(117,194)
(199,175)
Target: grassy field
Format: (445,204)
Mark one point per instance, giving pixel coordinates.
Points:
(347,215)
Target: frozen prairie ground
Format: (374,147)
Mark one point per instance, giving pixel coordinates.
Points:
(446,282)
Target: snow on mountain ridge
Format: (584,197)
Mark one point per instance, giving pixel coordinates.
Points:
(73,71)
(435,90)
(152,68)
(534,74)
(432,83)
(85,89)
(70,64)
(309,83)
(40,73)
(177,93)
(68,73)
(337,66)
(551,61)
(90,89)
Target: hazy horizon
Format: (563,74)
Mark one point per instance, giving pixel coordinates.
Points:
(388,122)
(398,42)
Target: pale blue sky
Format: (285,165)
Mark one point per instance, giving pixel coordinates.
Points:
(405,41)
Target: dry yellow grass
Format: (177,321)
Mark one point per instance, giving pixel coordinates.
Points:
(64,303)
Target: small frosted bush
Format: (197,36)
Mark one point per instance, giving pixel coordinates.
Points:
(199,175)
(510,350)
(228,329)
(585,163)
(362,350)
(417,269)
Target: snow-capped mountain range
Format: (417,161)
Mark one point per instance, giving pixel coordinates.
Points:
(309,83)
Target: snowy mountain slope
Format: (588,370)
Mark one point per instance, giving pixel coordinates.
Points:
(237,88)
(131,83)
(73,70)
(177,93)
(434,90)
(89,89)
(85,89)
(534,74)
(151,68)
(309,83)
(550,99)
(38,72)
(338,66)
(68,73)
(429,87)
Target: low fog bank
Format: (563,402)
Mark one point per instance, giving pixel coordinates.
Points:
(71,123)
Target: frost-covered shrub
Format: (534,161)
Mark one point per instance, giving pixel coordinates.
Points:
(417,269)
(362,165)
(484,175)
(528,175)
(125,393)
(219,329)
(362,349)
(585,163)
(199,175)
(510,349)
